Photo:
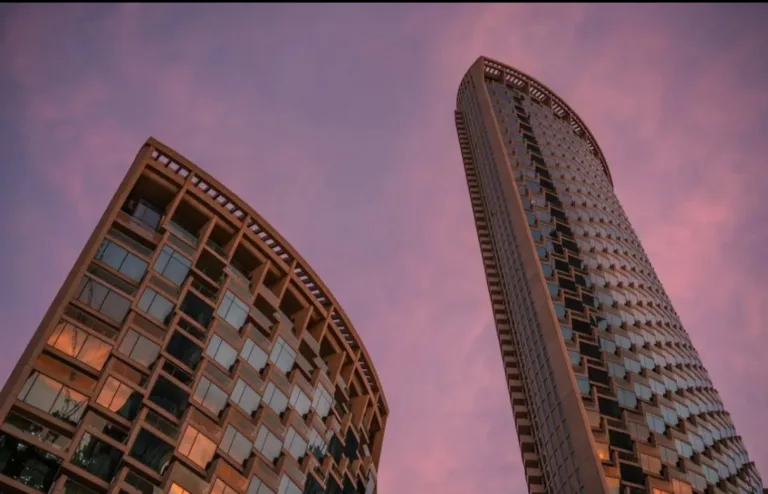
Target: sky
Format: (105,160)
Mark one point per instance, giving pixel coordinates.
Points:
(335,122)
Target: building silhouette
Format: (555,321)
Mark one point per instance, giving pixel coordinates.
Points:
(607,391)
(190,350)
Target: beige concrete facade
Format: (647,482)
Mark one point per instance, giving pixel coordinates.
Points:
(190,350)
(607,391)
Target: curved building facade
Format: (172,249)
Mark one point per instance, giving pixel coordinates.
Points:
(608,393)
(190,350)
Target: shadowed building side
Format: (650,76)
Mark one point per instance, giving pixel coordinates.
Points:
(608,393)
(190,350)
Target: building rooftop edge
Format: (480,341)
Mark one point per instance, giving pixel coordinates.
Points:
(541,91)
(300,261)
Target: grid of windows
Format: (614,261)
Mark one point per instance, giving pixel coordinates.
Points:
(135,381)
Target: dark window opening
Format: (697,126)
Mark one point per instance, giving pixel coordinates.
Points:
(184,350)
(170,397)
(27,464)
(197,310)
(97,458)
(152,451)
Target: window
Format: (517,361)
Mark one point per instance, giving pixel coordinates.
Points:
(172,265)
(681,487)
(185,350)
(670,417)
(121,260)
(655,423)
(583,383)
(139,348)
(219,487)
(236,445)
(283,356)
(246,397)
(288,487)
(32,426)
(322,402)
(650,464)
(28,464)
(221,351)
(103,300)
(299,401)
(642,391)
(268,444)
(254,355)
(657,387)
(120,398)
(177,489)
(152,451)
(210,396)
(155,305)
(76,343)
(97,458)
(275,398)
(616,370)
(195,446)
(147,214)
(668,456)
(257,487)
(170,397)
(109,428)
(295,444)
(626,398)
(54,398)
(233,310)
(632,365)
(317,445)
(575,357)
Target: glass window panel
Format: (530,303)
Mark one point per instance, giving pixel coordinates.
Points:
(210,396)
(254,355)
(233,310)
(52,397)
(97,458)
(268,444)
(283,356)
(155,305)
(256,486)
(322,402)
(300,401)
(151,451)
(169,396)
(275,398)
(221,351)
(115,306)
(236,445)
(172,265)
(197,447)
(287,486)
(219,487)
(295,444)
(120,398)
(139,348)
(246,397)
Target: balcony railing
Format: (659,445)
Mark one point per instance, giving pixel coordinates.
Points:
(182,232)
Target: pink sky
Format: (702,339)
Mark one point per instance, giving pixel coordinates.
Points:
(336,123)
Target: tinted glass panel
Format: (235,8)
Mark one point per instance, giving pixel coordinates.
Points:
(151,451)
(97,458)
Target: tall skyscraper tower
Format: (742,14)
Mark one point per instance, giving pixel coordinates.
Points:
(608,393)
(190,350)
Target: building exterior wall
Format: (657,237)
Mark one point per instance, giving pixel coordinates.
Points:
(190,350)
(608,393)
